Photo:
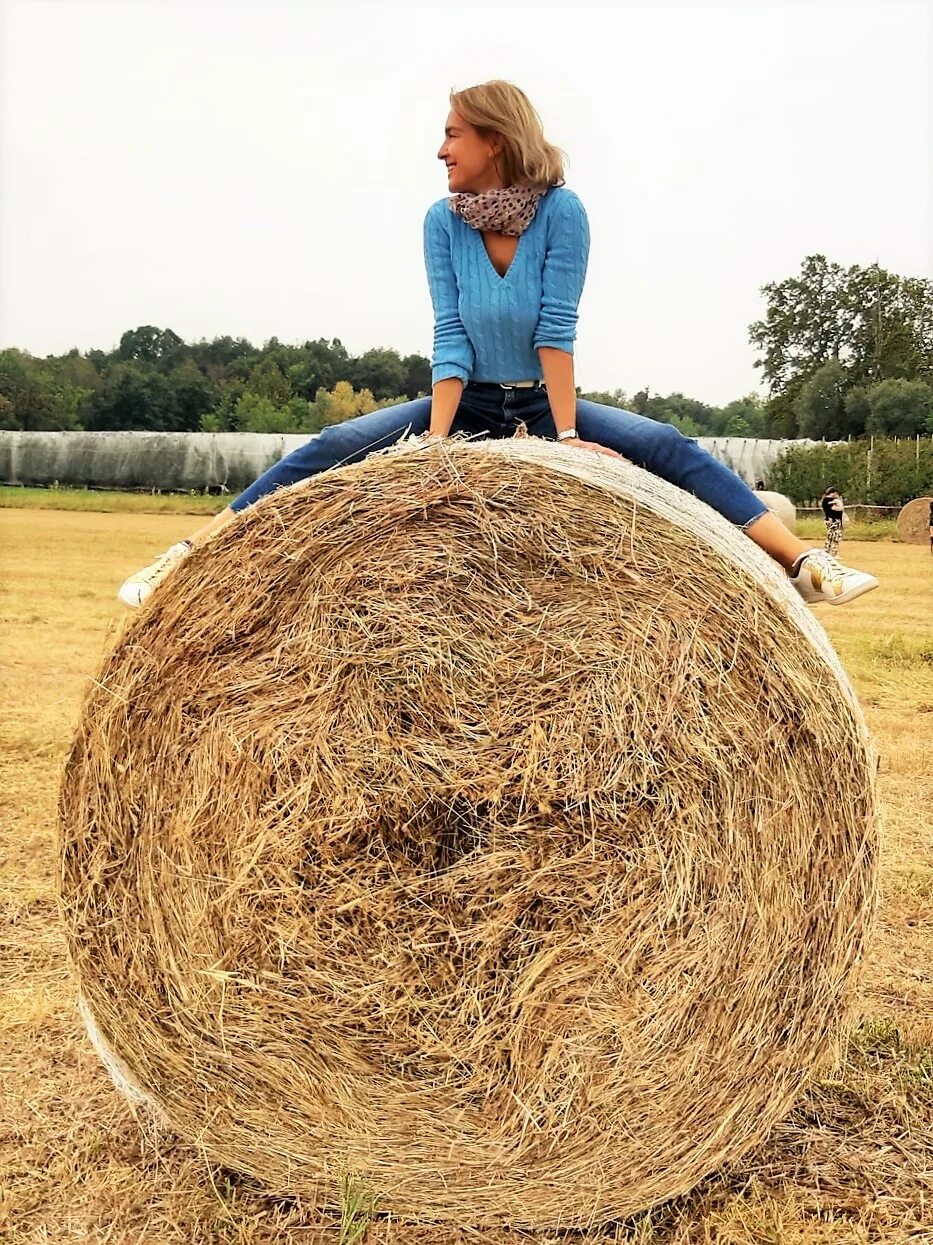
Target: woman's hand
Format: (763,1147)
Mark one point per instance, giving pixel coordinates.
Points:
(577,444)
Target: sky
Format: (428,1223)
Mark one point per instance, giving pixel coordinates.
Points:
(262,169)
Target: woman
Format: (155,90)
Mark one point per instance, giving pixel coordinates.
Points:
(834,510)
(506,255)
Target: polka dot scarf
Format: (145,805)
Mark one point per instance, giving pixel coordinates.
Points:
(508,211)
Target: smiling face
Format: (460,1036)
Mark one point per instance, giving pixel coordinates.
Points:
(470,157)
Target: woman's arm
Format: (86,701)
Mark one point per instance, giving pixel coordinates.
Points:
(557,366)
(453,358)
(445,399)
(562,280)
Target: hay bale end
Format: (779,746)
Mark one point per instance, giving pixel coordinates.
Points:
(463,820)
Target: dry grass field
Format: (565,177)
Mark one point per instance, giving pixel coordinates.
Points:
(854,1164)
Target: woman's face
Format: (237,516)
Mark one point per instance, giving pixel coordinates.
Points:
(470,158)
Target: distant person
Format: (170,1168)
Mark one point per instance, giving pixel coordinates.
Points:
(506,253)
(759,486)
(834,510)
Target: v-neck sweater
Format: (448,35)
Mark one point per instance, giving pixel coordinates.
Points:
(489,327)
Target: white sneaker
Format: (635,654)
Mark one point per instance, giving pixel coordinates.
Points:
(820,577)
(141,585)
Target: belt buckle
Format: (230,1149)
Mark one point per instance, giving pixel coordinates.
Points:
(518,384)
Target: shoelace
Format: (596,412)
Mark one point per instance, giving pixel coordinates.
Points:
(831,569)
(157,567)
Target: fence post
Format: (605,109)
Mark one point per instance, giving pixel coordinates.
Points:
(871,450)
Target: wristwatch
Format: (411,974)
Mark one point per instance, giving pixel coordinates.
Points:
(569,434)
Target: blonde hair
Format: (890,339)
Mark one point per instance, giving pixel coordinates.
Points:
(526,158)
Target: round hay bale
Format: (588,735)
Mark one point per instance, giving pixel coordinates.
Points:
(781,506)
(913,522)
(463,821)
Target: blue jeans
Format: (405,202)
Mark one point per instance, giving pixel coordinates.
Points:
(487,410)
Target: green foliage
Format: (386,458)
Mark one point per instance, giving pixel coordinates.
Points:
(879,473)
(156,381)
(870,324)
(357,1207)
(742,418)
(148,344)
(844,351)
(901,408)
(821,403)
(35,399)
(745,417)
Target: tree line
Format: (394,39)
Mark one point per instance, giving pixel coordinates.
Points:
(844,352)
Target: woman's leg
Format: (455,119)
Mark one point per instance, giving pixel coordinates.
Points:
(666,452)
(340,444)
(335,445)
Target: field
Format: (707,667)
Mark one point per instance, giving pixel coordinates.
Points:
(853,1165)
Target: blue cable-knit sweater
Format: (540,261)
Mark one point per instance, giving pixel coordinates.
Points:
(488,327)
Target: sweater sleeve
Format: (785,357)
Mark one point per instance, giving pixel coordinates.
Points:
(568,248)
(453,351)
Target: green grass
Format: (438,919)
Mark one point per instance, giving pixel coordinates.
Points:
(812,527)
(104,502)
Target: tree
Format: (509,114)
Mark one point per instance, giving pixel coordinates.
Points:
(134,397)
(892,335)
(192,396)
(255,413)
(148,344)
(380,371)
(320,365)
(745,417)
(30,405)
(821,403)
(417,375)
(343,402)
(899,408)
(808,321)
(616,398)
(878,325)
(266,380)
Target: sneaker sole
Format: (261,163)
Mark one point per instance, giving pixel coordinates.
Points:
(858,591)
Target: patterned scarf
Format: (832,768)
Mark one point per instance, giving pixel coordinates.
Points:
(508,211)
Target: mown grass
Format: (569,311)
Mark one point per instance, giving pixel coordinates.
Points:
(852,1165)
(103,501)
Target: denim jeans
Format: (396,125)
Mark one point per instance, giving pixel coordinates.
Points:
(487,410)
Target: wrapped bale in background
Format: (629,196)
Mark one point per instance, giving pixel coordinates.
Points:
(780,506)
(489,821)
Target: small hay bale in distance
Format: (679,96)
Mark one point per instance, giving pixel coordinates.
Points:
(913,522)
(488,821)
(780,506)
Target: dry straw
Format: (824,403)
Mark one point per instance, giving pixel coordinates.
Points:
(489,822)
(913,522)
(780,506)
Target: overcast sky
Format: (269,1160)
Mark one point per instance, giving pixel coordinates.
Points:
(262,169)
